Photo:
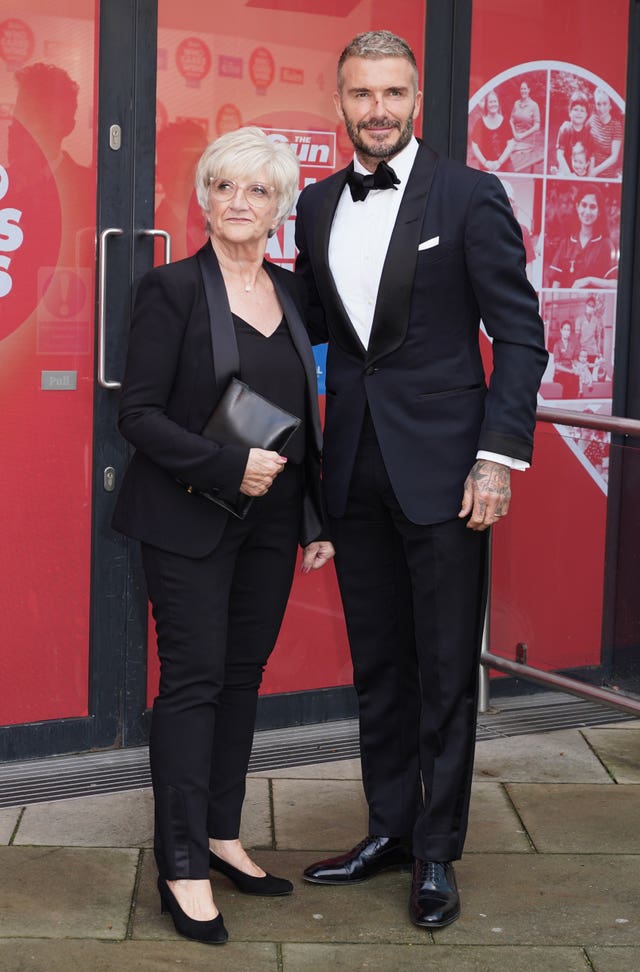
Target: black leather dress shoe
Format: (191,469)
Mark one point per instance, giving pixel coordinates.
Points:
(369,857)
(434,900)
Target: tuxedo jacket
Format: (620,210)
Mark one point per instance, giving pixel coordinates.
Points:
(179,362)
(422,375)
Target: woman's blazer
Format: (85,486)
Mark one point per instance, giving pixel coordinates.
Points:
(173,380)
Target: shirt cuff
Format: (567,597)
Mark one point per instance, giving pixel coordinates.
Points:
(519,464)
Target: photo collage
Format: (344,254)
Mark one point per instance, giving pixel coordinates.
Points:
(553,134)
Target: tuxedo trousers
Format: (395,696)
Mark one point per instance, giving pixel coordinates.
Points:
(414,600)
(217,620)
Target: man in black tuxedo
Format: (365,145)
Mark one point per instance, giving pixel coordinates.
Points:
(401,263)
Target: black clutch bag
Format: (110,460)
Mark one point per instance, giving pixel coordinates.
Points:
(243,417)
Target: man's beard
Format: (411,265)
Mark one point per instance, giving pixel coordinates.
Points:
(380,151)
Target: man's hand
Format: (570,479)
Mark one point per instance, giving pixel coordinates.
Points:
(316,555)
(487,492)
(261,469)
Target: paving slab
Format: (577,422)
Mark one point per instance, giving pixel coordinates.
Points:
(65,892)
(579,818)
(255,827)
(507,899)
(18,955)
(125,820)
(628,724)
(335,814)
(420,958)
(108,820)
(375,911)
(8,821)
(556,899)
(617,959)
(549,757)
(493,823)
(340,769)
(318,814)
(619,750)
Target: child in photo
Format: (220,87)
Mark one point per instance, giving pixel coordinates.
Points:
(573,131)
(579,160)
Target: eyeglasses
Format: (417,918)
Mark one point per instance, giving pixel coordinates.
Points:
(256,194)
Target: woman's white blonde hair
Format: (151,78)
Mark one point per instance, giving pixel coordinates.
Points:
(246,154)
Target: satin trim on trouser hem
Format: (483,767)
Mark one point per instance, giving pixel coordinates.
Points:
(175,839)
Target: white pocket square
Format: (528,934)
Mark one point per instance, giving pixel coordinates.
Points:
(429,243)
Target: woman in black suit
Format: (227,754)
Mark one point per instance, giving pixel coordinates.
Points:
(218,584)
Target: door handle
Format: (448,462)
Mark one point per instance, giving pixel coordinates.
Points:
(164,236)
(103,381)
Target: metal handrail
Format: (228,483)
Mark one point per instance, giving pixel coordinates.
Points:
(561,682)
(556,416)
(589,420)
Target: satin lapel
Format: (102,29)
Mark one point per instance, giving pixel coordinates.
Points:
(391,317)
(226,358)
(339,320)
(301,341)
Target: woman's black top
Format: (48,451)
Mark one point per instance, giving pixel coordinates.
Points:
(271,366)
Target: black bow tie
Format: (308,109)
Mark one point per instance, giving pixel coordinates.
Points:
(383,178)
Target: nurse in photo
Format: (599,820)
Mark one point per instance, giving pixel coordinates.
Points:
(586,257)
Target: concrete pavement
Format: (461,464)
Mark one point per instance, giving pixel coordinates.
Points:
(550,879)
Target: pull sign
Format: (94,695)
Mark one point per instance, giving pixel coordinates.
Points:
(109,479)
(115,137)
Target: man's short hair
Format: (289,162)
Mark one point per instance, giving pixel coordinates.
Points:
(376,44)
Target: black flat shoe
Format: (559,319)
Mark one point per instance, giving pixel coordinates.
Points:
(434,900)
(210,932)
(267,885)
(369,857)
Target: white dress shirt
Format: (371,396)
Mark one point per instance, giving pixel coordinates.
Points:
(360,236)
(359,241)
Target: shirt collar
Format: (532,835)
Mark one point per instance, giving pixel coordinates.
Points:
(401,163)
(594,239)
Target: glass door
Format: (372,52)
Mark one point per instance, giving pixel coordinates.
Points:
(48,173)
(270,63)
(75,78)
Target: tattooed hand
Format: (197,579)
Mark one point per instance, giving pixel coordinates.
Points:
(487,492)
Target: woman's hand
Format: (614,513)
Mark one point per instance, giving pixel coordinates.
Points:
(261,470)
(316,555)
